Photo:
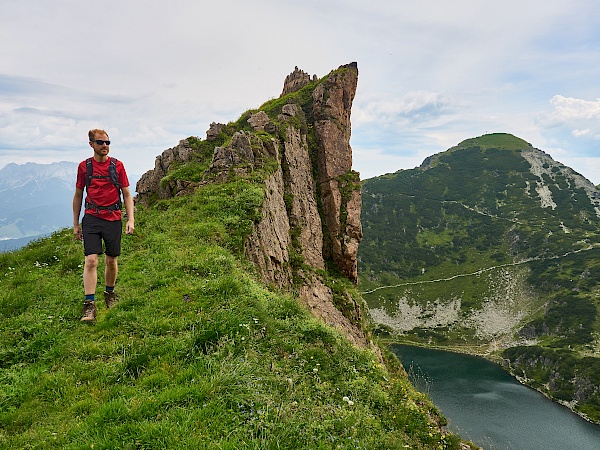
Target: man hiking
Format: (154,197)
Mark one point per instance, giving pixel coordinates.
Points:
(104,179)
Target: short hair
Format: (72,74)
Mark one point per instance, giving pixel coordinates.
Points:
(92,133)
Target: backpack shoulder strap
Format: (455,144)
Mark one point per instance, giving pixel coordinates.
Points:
(89,170)
(112,170)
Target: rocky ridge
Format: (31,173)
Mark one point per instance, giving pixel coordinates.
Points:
(312,204)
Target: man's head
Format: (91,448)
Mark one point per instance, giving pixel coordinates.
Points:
(100,142)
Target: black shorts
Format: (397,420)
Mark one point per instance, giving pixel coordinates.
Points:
(96,230)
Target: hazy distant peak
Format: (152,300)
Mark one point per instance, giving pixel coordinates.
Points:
(15,175)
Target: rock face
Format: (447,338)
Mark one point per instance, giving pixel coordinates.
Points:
(245,149)
(321,197)
(149,185)
(340,192)
(312,204)
(214,130)
(295,81)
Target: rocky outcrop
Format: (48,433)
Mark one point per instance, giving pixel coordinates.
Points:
(318,298)
(150,186)
(546,168)
(214,130)
(312,203)
(334,183)
(301,192)
(296,81)
(340,187)
(268,247)
(241,154)
(259,120)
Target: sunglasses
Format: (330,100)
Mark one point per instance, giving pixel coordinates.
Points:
(100,142)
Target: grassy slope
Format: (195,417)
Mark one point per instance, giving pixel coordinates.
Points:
(197,354)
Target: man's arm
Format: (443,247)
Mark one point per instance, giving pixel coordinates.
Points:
(77,199)
(129,210)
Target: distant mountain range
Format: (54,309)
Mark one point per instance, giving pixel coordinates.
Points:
(491,247)
(35,200)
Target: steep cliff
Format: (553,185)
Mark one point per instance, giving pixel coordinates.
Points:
(299,144)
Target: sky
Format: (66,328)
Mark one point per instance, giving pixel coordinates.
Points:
(432,73)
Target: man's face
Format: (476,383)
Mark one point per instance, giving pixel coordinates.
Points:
(100,149)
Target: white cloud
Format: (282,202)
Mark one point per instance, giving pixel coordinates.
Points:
(573,124)
(575,108)
(579,133)
(416,103)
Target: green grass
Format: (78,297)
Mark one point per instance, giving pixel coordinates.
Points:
(196,354)
(497,140)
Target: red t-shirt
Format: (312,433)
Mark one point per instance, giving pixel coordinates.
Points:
(101,190)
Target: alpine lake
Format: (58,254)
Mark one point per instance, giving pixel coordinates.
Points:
(485,404)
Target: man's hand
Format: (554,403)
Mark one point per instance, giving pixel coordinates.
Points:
(77,232)
(129,227)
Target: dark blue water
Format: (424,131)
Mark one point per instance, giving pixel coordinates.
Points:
(485,404)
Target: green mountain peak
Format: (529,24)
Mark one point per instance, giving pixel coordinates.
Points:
(501,141)
(481,147)
(490,247)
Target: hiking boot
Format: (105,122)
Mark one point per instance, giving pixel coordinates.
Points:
(89,311)
(110,298)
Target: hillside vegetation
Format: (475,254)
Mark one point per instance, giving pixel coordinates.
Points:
(491,248)
(197,353)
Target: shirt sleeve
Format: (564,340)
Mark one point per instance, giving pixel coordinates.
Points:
(122,175)
(81,174)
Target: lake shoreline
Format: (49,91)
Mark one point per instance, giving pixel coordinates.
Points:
(486,404)
(492,358)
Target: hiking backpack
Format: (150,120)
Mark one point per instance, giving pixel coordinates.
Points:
(114,179)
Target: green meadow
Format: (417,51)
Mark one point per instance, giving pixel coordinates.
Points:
(198,353)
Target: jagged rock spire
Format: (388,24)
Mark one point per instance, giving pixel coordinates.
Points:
(295,81)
